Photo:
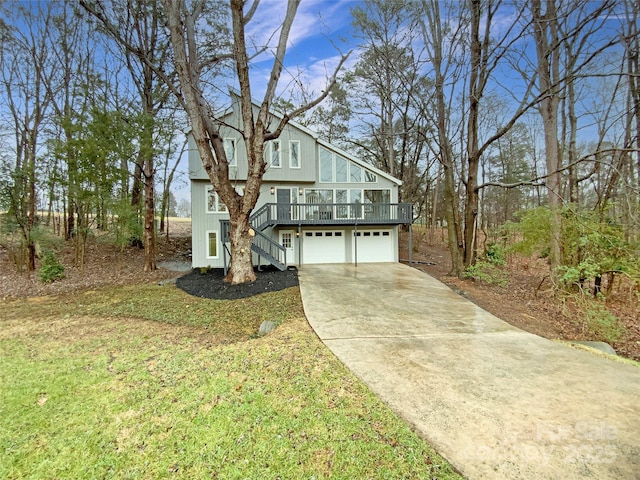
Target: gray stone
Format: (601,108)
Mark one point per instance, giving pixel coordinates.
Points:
(167,281)
(602,346)
(266,327)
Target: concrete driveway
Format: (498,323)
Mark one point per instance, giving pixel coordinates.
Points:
(497,402)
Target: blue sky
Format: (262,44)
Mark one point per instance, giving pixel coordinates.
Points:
(321,31)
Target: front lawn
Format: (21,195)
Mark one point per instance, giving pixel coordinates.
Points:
(149,382)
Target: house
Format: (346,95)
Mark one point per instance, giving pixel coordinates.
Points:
(317,204)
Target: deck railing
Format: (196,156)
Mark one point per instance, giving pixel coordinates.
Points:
(332,214)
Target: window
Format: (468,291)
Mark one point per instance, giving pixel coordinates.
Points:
(214,204)
(334,168)
(230,151)
(318,195)
(370,177)
(212,244)
(294,154)
(286,239)
(341,169)
(326,166)
(356,173)
(274,153)
(377,196)
(355,196)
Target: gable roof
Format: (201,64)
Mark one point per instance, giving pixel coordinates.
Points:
(236,93)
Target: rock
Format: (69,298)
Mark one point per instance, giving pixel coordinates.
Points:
(266,327)
(167,281)
(602,346)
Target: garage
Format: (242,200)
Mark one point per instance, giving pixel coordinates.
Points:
(323,246)
(374,246)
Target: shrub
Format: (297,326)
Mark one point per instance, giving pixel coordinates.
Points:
(495,254)
(487,272)
(602,324)
(51,269)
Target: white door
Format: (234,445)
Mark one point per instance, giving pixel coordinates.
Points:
(287,238)
(374,246)
(323,246)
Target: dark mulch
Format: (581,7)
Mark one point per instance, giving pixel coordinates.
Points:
(211,285)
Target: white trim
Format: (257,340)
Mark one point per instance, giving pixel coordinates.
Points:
(291,143)
(291,259)
(207,243)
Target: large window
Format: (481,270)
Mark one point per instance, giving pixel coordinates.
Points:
(294,154)
(231,151)
(377,196)
(318,195)
(214,204)
(212,244)
(334,168)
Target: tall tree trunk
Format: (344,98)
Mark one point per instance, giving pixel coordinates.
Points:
(149,218)
(473,158)
(546,40)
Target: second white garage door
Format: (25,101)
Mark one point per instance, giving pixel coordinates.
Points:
(323,246)
(374,246)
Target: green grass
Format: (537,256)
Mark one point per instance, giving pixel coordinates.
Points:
(148,382)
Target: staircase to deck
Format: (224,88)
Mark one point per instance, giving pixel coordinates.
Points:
(262,245)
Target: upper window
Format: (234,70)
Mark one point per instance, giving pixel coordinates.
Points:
(214,204)
(326,166)
(341,169)
(334,168)
(294,154)
(273,152)
(231,151)
(356,173)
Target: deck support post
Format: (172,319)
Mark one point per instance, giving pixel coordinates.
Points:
(410,244)
(355,244)
(299,239)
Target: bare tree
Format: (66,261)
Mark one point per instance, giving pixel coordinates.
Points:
(139,28)
(446,72)
(189,62)
(25,59)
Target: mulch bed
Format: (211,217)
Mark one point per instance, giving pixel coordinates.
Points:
(211,285)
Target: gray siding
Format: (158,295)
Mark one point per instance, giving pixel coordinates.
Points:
(298,179)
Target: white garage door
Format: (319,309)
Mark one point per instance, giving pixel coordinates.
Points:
(323,246)
(374,246)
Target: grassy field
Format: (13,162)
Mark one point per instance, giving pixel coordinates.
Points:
(148,382)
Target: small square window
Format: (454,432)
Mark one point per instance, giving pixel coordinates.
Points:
(329,234)
(385,234)
(367,234)
(308,234)
(318,234)
(214,203)
(376,234)
(338,234)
